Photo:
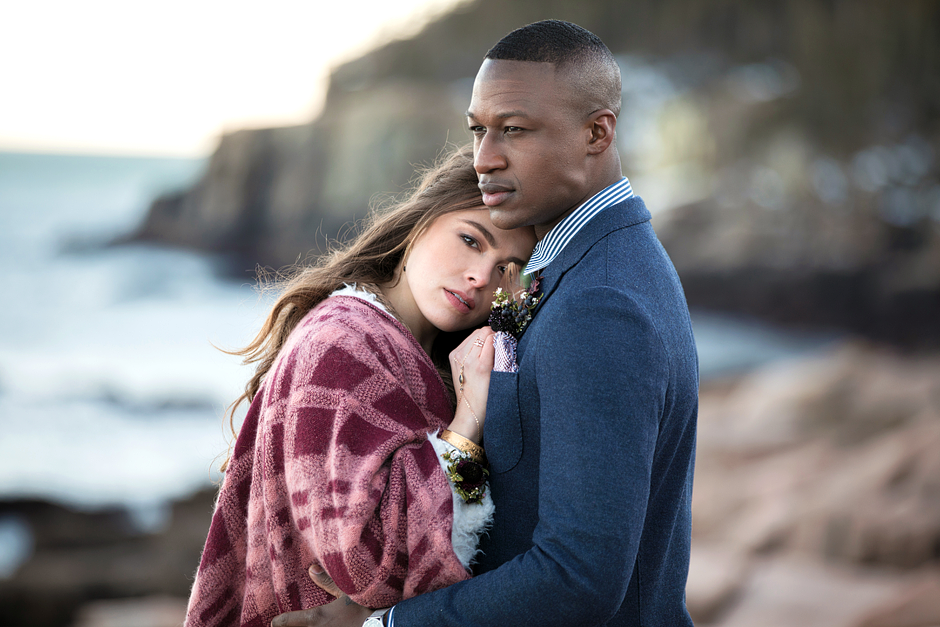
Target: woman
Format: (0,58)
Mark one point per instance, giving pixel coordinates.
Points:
(334,464)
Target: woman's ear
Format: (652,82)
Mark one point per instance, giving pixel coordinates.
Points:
(406,254)
(603,124)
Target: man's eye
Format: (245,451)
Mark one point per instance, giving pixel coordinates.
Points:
(513,129)
(477,130)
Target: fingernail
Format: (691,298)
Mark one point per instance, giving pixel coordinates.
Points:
(315,569)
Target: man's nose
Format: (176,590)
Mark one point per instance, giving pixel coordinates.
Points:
(488,155)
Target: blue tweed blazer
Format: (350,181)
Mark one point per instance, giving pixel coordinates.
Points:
(591,447)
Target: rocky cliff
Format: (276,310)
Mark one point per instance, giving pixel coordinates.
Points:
(789,150)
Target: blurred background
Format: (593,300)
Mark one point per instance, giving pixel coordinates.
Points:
(153,156)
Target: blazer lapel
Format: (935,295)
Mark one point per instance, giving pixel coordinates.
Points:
(630,212)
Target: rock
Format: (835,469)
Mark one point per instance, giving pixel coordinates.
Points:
(273,196)
(862,281)
(834,456)
(717,575)
(155,611)
(916,606)
(821,476)
(793,589)
(79,557)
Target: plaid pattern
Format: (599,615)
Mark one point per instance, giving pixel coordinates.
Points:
(333,465)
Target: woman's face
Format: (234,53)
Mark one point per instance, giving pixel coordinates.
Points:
(455,266)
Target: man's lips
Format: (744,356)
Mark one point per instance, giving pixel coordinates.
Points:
(494,193)
(460,300)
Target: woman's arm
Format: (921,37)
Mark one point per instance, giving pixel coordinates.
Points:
(471,364)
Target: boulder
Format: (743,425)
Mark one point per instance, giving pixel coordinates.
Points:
(80,557)
(918,605)
(833,455)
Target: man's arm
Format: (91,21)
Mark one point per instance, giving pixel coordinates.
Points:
(602,378)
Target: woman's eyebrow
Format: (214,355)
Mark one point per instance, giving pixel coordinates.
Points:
(491,240)
(486,234)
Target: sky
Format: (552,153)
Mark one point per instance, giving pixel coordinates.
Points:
(167,78)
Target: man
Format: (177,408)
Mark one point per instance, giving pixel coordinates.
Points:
(591,444)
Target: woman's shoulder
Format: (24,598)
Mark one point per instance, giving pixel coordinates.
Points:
(345,342)
(348,318)
(347,329)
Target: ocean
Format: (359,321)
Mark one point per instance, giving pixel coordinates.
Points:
(112,390)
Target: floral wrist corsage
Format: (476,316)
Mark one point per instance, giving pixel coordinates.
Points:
(467,475)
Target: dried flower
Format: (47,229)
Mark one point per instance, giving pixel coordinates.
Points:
(510,315)
(467,475)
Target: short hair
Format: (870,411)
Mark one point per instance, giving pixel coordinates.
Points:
(567,46)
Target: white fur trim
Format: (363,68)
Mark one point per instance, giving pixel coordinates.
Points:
(471,520)
(354,290)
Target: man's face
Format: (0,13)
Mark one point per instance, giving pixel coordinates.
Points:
(529,144)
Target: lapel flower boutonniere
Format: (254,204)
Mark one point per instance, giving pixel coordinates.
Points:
(509,317)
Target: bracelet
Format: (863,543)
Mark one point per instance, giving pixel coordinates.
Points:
(475,451)
(475,419)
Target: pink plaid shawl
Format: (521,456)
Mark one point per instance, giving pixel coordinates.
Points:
(333,465)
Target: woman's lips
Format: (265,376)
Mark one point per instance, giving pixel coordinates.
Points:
(460,301)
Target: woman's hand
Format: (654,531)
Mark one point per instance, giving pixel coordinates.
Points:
(471,364)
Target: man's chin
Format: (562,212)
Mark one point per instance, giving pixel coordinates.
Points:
(505,218)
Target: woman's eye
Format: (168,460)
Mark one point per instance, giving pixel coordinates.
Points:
(502,269)
(469,241)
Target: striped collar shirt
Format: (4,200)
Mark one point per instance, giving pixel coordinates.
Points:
(550,246)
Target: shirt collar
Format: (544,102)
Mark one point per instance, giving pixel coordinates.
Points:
(550,246)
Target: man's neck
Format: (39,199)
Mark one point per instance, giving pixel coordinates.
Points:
(541,230)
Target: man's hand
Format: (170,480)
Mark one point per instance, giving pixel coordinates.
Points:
(322,579)
(343,612)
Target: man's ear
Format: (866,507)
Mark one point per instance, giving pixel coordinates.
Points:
(602,123)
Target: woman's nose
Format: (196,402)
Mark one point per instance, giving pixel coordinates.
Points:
(481,274)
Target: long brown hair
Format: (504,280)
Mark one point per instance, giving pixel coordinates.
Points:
(371,257)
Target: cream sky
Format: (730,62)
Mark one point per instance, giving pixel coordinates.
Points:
(167,77)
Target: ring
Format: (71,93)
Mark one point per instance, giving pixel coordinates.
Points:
(479,342)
